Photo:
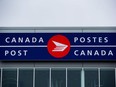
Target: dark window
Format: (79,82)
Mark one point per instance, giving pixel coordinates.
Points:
(25,77)
(58,78)
(91,78)
(9,78)
(74,77)
(107,78)
(42,78)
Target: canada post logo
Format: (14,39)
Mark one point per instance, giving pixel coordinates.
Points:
(58,46)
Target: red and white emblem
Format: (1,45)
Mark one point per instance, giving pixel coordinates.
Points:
(58,46)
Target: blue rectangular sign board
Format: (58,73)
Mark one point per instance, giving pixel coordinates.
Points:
(58,46)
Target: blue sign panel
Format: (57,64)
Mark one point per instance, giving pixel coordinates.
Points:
(58,46)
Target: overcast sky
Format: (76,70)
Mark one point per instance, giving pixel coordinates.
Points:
(57,12)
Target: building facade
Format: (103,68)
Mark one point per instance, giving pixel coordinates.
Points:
(57,73)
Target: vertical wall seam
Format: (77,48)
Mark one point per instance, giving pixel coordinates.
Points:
(17,77)
(115,77)
(1,77)
(82,78)
(34,77)
(66,78)
(50,78)
(99,76)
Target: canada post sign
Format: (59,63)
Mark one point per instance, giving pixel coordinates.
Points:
(58,46)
